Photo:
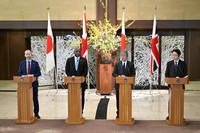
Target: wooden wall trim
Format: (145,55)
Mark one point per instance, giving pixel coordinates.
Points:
(100,11)
(164,24)
(112,11)
(39,25)
(73,25)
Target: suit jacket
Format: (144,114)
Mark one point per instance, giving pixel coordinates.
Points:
(35,70)
(129,72)
(82,69)
(181,69)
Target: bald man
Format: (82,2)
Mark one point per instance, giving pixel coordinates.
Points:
(30,67)
(77,66)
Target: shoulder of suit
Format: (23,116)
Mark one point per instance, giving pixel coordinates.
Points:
(71,58)
(172,61)
(82,58)
(129,62)
(34,61)
(119,62)
(181,61)
(24,61)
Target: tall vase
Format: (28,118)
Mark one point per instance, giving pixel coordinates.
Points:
(104,68)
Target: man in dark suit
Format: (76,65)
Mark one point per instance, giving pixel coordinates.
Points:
(77,66)
(176,68)
(30,67)
(123,68)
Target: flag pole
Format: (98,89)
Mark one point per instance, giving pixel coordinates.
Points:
(151,75)
(55,72)
(151,72)
(88,75)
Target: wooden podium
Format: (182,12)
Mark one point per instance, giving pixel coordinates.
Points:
(25,99)
(176,114)
(125,100)
(74,100)
(106,84)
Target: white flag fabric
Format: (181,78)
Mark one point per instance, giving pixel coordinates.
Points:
(50,63)
(123,36)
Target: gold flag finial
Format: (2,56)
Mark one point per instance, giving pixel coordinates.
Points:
(123,8)
(48,8)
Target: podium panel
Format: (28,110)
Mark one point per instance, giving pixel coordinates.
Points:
(176,114)
(25,99)
(74,100)
(106,82)
(125,100)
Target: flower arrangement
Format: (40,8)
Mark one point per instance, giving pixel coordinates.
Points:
(103,37)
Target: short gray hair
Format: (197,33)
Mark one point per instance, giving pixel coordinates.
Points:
(124,51)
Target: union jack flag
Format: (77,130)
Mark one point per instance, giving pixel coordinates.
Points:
(155,62)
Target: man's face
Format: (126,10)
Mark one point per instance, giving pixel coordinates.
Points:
(123,57)
(28,54)
(77,52)
(175,56)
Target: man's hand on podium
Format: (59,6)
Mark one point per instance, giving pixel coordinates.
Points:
(30,75)
(121,76)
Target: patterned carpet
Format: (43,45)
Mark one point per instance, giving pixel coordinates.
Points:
(96,126)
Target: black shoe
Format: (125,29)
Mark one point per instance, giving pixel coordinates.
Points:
(167,118)
(117,116)
(36,115)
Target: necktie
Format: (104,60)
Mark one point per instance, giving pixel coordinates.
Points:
(77,64)
(176,67)
(29,67)
(123,68)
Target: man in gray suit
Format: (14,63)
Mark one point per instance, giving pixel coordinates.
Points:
(123,68)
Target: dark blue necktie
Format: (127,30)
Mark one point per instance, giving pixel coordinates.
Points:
(123,68)
(176,67)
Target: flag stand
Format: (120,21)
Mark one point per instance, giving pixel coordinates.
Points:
(88,78)
(154,35)
(55,82)
(150,88)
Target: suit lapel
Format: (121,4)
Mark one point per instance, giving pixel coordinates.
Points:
(25,67)
(79,63)
(73,64)
(32,63)
(126,68)
(179,67)
(121,68)
(173,68)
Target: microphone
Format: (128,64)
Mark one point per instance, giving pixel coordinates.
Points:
(181,70)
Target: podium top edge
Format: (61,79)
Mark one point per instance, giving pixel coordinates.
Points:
(124,80)
(177,80)
(22,79)
(74,79)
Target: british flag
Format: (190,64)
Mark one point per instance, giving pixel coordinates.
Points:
(155,63)
(84,49)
